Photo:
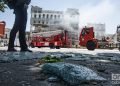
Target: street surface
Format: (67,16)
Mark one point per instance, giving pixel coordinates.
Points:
(20,69)
(74,50)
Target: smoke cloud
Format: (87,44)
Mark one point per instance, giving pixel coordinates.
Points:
(100,13)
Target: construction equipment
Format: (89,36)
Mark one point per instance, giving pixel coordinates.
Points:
(52,39)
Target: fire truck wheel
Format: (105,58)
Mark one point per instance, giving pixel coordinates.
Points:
(52,46)
(91,45)
(119,48)
(57,47)
(32,46)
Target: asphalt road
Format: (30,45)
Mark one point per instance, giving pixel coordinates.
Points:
(19,69)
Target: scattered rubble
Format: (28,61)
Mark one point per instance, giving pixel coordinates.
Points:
(53,79)
(72,74)
(75,68)
(50,59)
(19,56)
(109,56)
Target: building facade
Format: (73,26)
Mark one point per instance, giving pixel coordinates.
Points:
(42,19)
(48,20)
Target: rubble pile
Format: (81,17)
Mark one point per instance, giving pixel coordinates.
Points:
(19,56)
(109,56)
(72,56)
(58,68)
(72,74)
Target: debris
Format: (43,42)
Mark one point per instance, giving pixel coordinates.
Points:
(49,59)
(101,70)
(109,56)
(35,69)
(53,79)
(72,74)
(78,58)
(41,77)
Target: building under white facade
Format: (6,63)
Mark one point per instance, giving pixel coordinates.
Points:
(99,30)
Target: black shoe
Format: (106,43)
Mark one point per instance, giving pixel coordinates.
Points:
(12,50)
(25,50)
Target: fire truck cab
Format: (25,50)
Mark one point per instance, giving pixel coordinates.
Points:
(87,39)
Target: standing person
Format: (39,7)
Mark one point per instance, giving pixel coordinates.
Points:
(20,11)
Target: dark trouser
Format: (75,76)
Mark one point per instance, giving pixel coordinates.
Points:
(19,26)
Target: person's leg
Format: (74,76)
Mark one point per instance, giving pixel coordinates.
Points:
(22,29)
(13,32)
(22,37)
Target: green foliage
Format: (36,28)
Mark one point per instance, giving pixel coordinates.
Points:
(49,59)
(2,6)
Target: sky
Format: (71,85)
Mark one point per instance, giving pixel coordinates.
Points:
(91,11)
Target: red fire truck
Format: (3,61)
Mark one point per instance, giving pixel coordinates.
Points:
(60,38)
(2,28)
(2,32)
(52,39)
(88,40)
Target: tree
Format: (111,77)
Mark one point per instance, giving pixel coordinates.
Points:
(2,6)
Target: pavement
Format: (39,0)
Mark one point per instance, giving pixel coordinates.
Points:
(19,68)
